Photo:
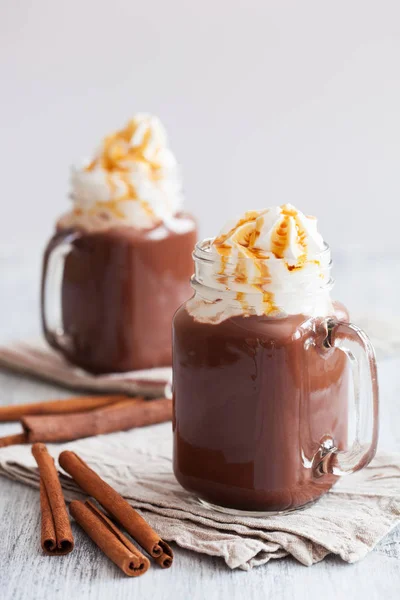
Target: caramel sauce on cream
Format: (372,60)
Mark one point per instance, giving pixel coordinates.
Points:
(244,237)
(116,158)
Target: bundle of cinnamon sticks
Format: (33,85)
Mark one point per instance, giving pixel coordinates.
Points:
(75,418)
(80,417)
(56,536)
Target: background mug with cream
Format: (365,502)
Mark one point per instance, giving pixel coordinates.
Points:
(119,263)
(266,367)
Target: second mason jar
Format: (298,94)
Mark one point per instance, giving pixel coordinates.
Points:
(119,262)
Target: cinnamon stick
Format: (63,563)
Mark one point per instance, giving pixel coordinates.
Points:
(67,405)
(117,507)
(120,416)
(56,537)
(12,440)
(109,538)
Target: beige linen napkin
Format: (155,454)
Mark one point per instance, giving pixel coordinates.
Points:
(39,360)
(349,521)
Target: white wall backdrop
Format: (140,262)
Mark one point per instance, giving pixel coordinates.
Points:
(265,102)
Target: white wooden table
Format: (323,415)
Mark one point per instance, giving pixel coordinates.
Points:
(86,574)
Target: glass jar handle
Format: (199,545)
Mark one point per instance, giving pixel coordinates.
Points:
(50,299)
(351,340)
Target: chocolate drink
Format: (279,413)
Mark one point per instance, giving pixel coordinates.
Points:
(251,406)
(124,253)
(120,289)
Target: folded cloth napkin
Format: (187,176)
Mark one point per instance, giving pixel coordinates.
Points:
(348,521)
(39,360)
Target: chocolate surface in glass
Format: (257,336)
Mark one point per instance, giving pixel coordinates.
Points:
(251,407)
(120,289)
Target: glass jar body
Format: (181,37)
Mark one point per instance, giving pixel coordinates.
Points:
(117,293)
(251,406)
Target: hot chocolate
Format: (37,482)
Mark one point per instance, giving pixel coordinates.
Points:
(261,393)
(125,255)
(243,421)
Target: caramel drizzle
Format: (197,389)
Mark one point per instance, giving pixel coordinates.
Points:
(246,248)
(240,297)
(281,237)
(245,242)
(130,188)
(224,251)
(116,152)
(250,215)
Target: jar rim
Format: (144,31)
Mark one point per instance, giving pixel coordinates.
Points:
(202,252)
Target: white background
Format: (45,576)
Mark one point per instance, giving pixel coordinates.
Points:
(265,102)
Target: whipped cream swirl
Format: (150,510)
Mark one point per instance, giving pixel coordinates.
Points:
(133,179)
(268,262)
